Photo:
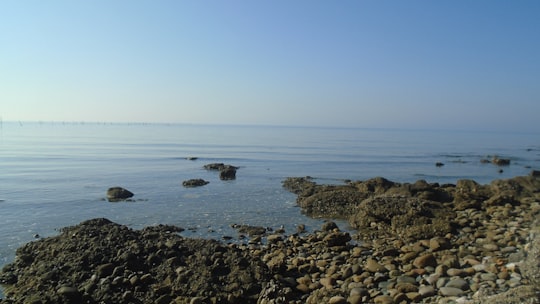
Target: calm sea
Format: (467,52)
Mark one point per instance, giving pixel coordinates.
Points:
(54,174)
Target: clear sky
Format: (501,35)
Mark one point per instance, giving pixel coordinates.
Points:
(397,64)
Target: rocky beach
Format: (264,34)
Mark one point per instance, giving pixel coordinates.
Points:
(412,243)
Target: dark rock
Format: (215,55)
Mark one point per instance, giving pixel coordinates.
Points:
(214,166)
(439,164)
(227,173)
(329,226)
(500,161)
(535,173)
(218,166)
(197,182)
(164,263)
(250,230)
(298,185)
(116,194)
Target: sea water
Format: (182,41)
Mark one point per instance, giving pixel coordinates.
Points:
(54,175)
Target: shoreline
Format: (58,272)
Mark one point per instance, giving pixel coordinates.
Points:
(420,243)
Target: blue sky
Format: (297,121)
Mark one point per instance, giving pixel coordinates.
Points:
(397,64)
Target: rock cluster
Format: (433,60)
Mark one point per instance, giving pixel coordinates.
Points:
(470,243)
(226,172)
(102,262)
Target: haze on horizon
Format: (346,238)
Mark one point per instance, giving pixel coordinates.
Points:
(397,64)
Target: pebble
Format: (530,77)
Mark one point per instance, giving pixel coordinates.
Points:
(374,266)
(451,291)
(426,291)
(68,291)
(425,260)
(458,283)
(384,299)
(488,276)
(337,300)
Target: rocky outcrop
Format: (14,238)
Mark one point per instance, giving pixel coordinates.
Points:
(102,262)
(196,182)
(419,210)
(117,194)
(407,217)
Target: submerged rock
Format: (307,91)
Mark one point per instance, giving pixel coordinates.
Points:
(197,182)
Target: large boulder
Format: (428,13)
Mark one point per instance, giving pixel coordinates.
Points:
(116,194)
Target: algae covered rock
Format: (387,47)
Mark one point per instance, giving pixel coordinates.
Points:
(105,262)
(407,217)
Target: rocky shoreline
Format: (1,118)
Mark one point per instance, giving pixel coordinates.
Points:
(415,243)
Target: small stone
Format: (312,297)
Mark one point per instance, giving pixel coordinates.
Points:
(406,287)
(68,291)
(355,299)
(488,276)
(425,260)
(384,299)
(406,279)
(426,291)
(458,283)
(374,266)
(337,300)
(328,282)
(450,291)
(274,238)
(490,247)
(415,297)
(105,270)
(303,288)
(432,279)
(455,272)
(439,243)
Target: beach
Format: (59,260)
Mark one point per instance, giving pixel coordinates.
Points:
(463,243)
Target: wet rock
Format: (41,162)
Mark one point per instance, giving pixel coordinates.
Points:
(116,194)
(500,161)
(535,173)
(227,173)
(197,182)
(215,166)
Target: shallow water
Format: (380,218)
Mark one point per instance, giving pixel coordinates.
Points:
(56,175)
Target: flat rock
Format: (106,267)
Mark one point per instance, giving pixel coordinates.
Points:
(451,291)
(196,182)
